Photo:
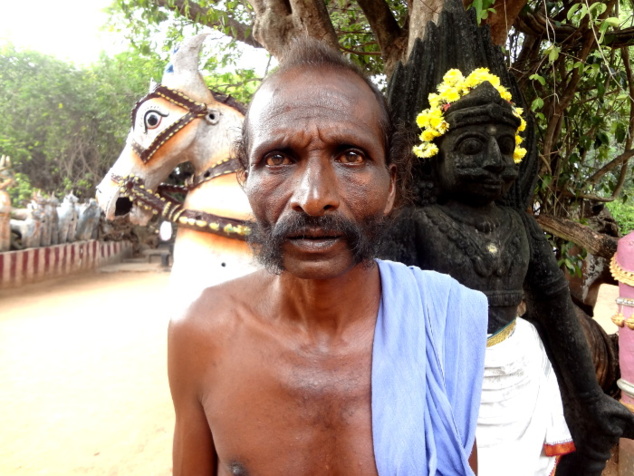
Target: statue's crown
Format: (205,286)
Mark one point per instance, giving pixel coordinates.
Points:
(482,104)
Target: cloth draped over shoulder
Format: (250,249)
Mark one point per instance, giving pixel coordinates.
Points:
(427,370)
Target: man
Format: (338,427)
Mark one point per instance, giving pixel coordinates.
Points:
(327,362)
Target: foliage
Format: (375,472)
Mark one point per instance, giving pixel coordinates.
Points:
(62,126)
(578,80)
(483,8)
(623,213)
(154,24)
(21,191)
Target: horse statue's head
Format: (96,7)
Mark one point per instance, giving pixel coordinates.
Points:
(179,121)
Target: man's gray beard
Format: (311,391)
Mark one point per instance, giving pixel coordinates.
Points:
(363,238)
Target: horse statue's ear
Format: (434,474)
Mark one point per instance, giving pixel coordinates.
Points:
(182,73)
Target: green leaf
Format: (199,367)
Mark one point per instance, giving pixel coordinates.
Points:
(583,10)
(546,181)
(620,132)
(553,53)
(598,8)
(537,103)
(539,78)
(611,21)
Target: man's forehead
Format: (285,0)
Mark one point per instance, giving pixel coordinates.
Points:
(312,87)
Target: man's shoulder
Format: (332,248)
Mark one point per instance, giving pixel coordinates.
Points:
(425,277)
(439,289)
(218,306)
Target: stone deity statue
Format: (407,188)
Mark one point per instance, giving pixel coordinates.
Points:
(41,203)
(461,226)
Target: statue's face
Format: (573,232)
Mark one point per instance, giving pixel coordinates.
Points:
(476,162)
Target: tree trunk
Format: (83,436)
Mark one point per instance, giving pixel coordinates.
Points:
(506,11)
(421,12)
(277,22)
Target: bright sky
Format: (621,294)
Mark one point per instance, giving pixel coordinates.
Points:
(70,30)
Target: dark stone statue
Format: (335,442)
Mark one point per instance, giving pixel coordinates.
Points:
(467,221)
(466,233)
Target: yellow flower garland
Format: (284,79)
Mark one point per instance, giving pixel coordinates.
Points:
(455,86)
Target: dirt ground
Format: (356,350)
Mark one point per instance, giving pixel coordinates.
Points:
(83,385)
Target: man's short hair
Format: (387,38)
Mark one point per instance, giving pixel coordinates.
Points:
(310,53)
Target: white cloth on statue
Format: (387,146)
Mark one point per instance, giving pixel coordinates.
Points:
(521,412)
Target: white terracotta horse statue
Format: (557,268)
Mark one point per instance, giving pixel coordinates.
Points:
(67,214)
(181,120)
(87,221)
(26,223)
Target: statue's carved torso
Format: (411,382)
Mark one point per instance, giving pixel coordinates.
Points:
(490,255)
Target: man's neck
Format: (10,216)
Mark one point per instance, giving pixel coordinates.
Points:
(328,307)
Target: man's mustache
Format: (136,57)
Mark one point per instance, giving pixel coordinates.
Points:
(267,239)
(300,224)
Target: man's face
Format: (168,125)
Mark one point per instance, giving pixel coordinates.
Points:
(317,178)
(476,162)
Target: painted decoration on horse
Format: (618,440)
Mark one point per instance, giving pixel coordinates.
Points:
(179,121)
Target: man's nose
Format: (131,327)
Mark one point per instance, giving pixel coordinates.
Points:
(316,193)
(494,161)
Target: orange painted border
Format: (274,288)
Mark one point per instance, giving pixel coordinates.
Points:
(559,449)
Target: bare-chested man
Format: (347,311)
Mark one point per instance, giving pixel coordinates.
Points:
(327,362)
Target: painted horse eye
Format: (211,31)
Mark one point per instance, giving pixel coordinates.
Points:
(152,120)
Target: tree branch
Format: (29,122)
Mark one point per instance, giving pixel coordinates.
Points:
(388,33)
(224,22)
(312,17)
(620,38)
(535,23)
(618,160)
(595,243)
(502,21)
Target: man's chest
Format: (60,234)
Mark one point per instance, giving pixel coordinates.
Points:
(292,411)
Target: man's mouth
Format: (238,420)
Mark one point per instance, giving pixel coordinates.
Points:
(314,240)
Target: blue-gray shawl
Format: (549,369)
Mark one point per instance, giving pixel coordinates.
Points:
(427,367)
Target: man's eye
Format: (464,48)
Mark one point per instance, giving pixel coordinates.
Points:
(276,159)
(351,157)
(471,146)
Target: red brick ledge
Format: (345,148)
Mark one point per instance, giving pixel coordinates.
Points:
(36,264)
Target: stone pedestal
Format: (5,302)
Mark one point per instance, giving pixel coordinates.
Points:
(626,457)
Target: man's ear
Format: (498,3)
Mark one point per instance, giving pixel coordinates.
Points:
(391,198)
